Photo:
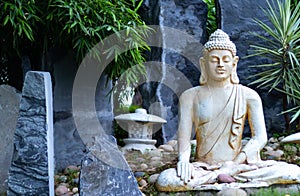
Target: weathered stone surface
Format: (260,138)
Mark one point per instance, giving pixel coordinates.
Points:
(32,168)
(104,171)
(69,148)
(179,54)
(237,20)
(9,110)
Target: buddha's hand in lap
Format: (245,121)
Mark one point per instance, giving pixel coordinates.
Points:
(185,171)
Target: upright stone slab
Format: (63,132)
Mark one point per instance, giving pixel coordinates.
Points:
(104,171)
(32,168)
(9,110)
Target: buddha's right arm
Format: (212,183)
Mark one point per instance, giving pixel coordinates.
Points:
(184,168)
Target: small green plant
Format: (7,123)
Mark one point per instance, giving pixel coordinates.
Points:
(282,48)
(290,152)
(119,134)
(193,151)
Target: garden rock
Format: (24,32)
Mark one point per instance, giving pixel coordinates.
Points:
(9,110)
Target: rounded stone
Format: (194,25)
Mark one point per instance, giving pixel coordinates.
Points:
(61,190)
(132,166)
(143,183)
(140,159)
(275,154)
(275,146)
(273,140)
(63,178)
(166,148)
(224,178)
(281,138)
(156,153)
(75,190)
(139,174)
(268,148)
(155,159)
(153,178)
(156,163)
(172,143)
(231,192)
(143,166)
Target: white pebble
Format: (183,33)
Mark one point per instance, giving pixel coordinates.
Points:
(143,166)
(75,190)
(166,148)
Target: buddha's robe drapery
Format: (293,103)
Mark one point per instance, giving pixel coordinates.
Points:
(224,131)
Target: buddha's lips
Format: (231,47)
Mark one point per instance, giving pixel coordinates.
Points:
(220,71)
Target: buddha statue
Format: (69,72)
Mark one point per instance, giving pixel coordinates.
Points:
(217,110)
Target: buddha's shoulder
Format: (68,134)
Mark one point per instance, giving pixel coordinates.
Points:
(191,91)
(248,92)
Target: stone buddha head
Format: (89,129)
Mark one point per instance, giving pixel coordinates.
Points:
(219,59)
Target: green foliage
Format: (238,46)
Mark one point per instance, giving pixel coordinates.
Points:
(119,133)
(193,151)
(282,48)
(211,23)
(77,25)
(274,192)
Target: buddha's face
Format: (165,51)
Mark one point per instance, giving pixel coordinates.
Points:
(220,64)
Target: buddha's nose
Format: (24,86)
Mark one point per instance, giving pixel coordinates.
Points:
(221,64)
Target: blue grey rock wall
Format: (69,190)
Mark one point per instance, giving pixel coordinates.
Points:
(236,19)
(176,53)
(188,16)
(9,110)
(32,167)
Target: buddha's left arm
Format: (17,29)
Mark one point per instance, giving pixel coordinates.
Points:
(257,126)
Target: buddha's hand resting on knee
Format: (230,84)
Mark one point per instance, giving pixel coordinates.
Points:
(185,171)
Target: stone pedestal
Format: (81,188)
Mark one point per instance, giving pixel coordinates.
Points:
(32,168)
(140,129)
(139,144)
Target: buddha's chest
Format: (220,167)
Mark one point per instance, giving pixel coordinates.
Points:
(211,107)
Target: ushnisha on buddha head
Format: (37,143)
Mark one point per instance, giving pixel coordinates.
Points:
(219,43)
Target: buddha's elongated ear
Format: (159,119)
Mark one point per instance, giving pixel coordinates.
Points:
(203,76)
(234,77)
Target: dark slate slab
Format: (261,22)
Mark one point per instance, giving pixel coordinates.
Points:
(236,19)
(104,171)
(32,168)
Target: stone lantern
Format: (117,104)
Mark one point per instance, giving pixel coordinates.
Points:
(139,127)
